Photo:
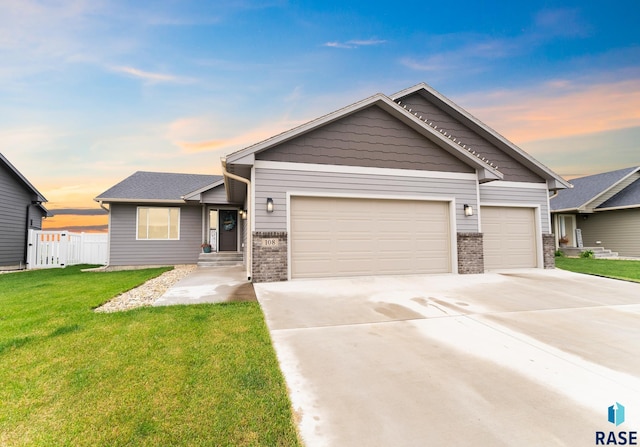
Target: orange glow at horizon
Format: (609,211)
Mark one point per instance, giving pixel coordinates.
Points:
(71,222)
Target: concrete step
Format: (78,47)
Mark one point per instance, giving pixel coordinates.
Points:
(220,259)
(598,252)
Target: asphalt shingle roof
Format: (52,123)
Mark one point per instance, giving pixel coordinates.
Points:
(144,185)
(585,189)
(629,196)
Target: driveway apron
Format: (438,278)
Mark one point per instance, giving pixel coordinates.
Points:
(524,358)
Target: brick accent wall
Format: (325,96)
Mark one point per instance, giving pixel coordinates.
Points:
(470,253)
(549,250)
(269,261)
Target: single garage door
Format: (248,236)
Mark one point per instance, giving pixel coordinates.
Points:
(354,237)
(509,237)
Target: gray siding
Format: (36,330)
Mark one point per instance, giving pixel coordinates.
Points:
(618,231)
(275,183)
(14,200)
(518,196)
(217,195)
(512,169)
(370,138)
(124,249)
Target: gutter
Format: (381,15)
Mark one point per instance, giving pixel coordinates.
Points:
(228,175)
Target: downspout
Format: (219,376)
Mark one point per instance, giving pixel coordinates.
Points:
(229,175)
(26,237)
(108,210)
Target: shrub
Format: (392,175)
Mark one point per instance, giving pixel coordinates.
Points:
(559,253)
(587,254)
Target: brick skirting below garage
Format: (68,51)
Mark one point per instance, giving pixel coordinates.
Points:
(470,253)
(549,250)
(269,262)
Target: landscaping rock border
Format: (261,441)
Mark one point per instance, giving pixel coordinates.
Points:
(147,293)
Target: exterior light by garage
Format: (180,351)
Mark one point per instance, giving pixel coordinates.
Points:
(468,210)
(269,205)
(243,214)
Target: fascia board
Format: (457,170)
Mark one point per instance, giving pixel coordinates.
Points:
(23,179)
(479,125)
(614,208)
(446,143)
(594,198)
(233,158)
(154,201)
(192,194)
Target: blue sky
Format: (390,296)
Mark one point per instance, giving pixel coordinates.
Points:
(91,91)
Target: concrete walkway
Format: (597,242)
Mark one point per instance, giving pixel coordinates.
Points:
(210,285)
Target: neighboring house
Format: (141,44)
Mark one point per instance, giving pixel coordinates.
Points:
(605,208)
(21,210)
(407,184)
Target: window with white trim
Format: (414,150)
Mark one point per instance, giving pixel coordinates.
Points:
(158,223)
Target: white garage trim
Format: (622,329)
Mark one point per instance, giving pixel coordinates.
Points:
(537,223)
(453,248)
(313,167)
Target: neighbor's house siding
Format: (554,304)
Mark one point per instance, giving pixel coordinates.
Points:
(369,138)
(275,183)
(512,169)
(124,249)
(492,193)
(617,230)
(14,200)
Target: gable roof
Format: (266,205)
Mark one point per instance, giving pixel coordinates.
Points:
(26,183)
(144,186)
(487,171)
(554,181)
(22,179)
(588,189)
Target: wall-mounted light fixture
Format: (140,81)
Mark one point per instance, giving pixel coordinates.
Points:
(468,210)
(243,214)
(269,205)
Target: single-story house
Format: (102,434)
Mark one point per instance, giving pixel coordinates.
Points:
(600,211)
(404,184)
(21,210)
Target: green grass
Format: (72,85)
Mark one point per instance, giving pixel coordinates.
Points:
(203,375)
(618,269)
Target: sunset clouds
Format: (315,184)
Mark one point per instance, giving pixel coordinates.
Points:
(92,91)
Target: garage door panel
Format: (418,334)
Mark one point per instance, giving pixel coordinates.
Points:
(367,237)
(509,237)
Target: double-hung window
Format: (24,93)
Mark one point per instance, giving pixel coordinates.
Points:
(158,223)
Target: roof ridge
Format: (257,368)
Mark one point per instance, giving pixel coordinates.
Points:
(444,133)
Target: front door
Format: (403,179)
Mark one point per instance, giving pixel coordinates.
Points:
(228,230)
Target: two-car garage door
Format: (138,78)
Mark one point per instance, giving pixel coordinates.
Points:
(352,237)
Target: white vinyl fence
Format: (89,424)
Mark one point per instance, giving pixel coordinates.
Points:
(51,249)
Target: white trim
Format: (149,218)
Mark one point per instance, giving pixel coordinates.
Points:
(453,243)
(312,167)
(143,201)
(168,208)
(538,225)
(190,195)
(482,127)
(615,208)
(507,184)
(252,213)
(478,211)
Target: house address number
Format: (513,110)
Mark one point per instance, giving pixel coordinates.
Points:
(271,242)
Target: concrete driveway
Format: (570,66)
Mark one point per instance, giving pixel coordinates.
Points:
(525,358)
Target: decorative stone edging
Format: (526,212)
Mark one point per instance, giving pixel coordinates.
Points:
(147,293)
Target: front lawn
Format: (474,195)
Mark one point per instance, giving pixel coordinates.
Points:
(202,375)
(612,268)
